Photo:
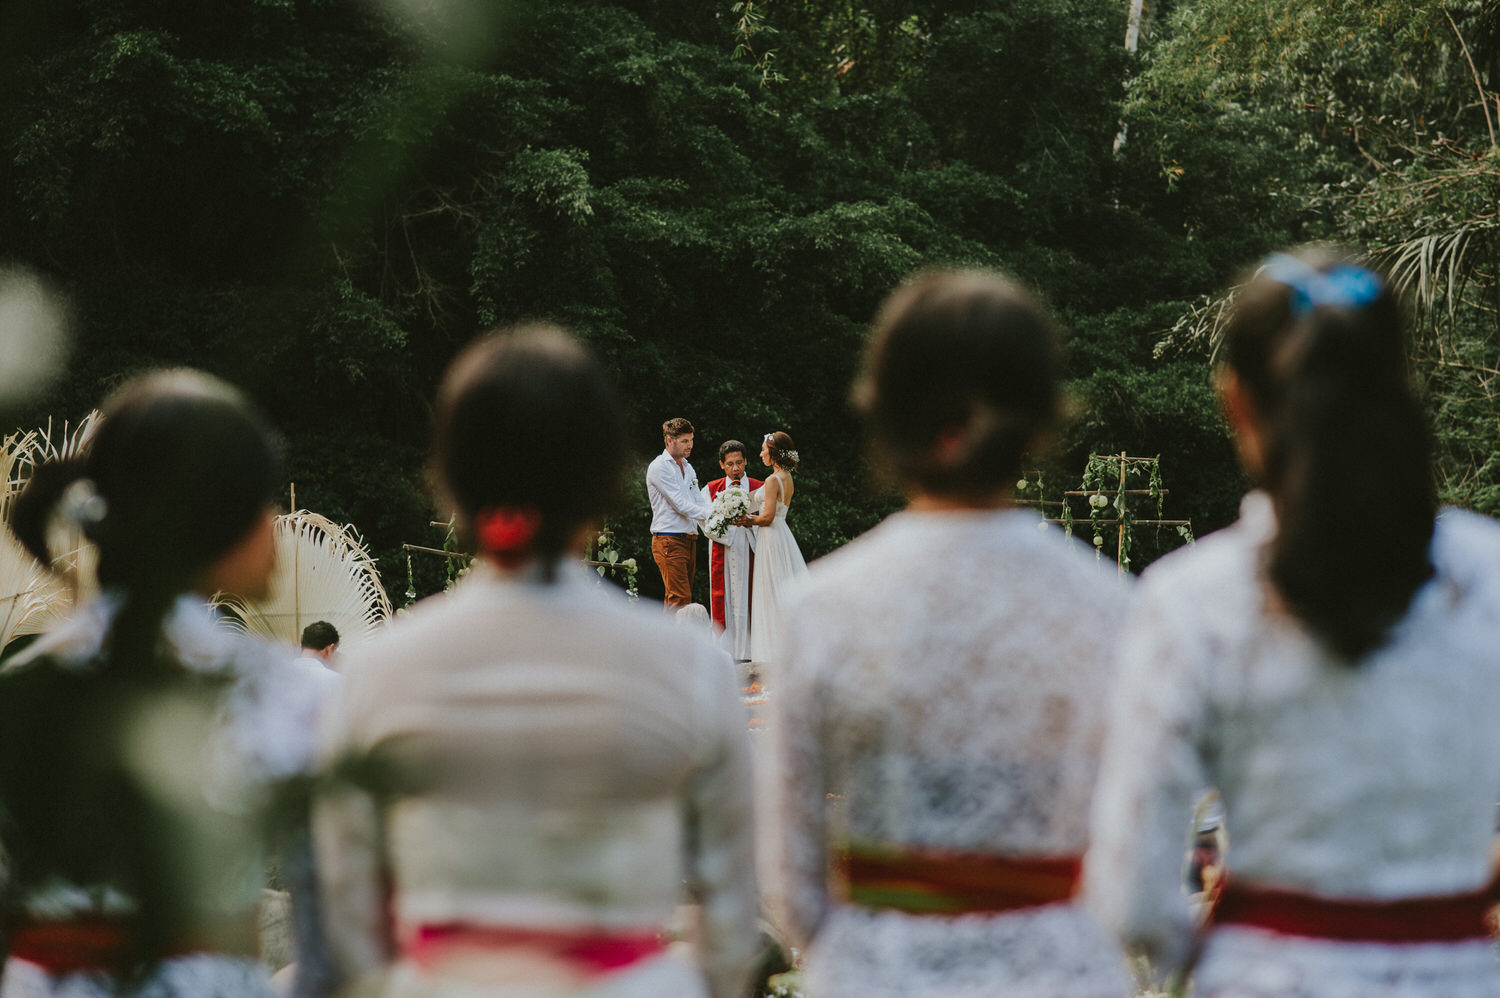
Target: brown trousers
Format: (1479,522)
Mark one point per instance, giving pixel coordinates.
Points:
(677,560)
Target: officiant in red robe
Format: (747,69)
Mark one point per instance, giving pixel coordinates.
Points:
(731,558)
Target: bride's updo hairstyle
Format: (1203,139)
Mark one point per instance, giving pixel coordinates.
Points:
(960,376)
(513,407)
(779,445)
(178,471)
(1317,343)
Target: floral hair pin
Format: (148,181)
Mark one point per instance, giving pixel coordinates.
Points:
(506,534)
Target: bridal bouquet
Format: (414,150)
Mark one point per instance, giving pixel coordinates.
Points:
(730,505)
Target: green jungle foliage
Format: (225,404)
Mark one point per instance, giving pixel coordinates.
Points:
(322,200)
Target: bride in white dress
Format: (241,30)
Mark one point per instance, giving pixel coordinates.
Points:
(778,560)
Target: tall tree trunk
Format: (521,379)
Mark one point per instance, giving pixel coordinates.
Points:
(1132,40)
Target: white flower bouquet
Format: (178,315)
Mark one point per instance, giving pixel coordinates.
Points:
(728,506)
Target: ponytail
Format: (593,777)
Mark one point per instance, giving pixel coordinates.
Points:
(1346,447)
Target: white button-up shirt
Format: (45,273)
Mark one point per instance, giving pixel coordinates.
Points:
(676,504)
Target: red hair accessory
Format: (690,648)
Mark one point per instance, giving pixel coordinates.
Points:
(507,533)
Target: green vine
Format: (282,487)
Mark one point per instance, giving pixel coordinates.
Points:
(1093,481)
(604,555)
(1107,481)
(457,567)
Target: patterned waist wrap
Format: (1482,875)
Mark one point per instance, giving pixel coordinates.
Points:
(924,881)
(1442,918)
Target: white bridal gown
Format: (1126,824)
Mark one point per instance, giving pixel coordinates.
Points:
(778,568)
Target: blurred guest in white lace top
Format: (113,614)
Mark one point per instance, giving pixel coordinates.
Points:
(1330,664)
(139,743)
(539,771)
(938,717)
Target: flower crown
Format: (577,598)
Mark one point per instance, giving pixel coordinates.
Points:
(792,454)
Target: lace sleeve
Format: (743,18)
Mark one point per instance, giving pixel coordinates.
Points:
(795,795)
(721,849)
(1152,772)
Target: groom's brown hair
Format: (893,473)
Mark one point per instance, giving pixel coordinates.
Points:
(675,427)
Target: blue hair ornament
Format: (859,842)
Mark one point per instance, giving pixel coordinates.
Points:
(1344,286)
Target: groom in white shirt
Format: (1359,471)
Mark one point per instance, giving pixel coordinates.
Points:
(676,509)
(731,557)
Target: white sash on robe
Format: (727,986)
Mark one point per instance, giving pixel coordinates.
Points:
(737,545)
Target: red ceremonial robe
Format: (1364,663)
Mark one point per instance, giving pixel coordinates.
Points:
(716,556)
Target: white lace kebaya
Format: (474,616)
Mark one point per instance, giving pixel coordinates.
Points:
(1371,783)
(566,767)
(942,694)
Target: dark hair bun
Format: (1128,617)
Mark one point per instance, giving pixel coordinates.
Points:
(511,405)
(959,377)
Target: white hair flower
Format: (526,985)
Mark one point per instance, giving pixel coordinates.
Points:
(82,505)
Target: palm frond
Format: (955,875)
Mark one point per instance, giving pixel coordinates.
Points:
(323,572)
(1200,330)
(32,598)
(1434,265)
(60,444)
(74,557)
(15,468)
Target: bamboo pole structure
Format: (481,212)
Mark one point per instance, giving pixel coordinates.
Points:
(1120,534)
(427,550)
(1128,492)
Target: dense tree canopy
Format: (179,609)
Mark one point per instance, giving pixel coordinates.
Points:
(323,199)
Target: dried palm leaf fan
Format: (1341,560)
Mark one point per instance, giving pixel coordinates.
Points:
(31,596)
(75,560)
(323,572)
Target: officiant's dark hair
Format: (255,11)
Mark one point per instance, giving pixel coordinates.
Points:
(510,404)
(728,447)
(960,376)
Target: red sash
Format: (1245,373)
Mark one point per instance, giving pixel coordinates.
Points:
(929,881)
(85,943)
(102,943)
(1444,918)
(592,951)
